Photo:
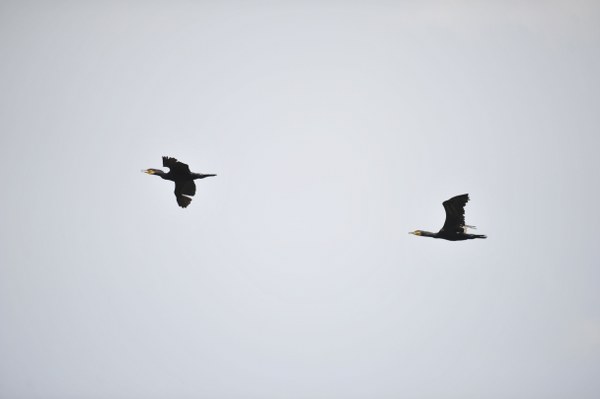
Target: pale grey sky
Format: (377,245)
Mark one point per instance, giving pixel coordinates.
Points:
(335,128)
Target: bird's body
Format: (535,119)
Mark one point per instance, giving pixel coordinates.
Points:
(454,228)
(182,176)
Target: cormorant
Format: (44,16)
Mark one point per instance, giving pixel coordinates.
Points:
(183,178)
(454,228)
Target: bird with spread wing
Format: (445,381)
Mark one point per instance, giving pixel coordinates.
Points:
(454,228)
(182,176)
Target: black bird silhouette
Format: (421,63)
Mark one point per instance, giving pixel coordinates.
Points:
(454,228)
(183,178)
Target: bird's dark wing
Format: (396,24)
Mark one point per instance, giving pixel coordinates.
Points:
(182,189)
(183,201)
(188,187)
(175,165)
(455,213)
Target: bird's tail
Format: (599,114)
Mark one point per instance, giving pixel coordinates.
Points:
(479,236)
(202,175)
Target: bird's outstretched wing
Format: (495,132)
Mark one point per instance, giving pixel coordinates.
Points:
(175,165)
(455,213)
(183,201)
(182,190)
(188,187)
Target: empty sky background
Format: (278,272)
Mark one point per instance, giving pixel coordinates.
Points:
(335,128)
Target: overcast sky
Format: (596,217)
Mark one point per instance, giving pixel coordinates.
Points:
(335,128)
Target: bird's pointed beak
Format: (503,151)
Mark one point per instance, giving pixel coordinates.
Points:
(150,172)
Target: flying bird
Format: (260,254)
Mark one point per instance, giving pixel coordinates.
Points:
(183,178)
(454,228)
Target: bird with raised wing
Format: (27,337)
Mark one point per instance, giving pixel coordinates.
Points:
(454,228)
(182,176)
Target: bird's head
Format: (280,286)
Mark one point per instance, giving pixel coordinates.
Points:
(416,232)
(153,171)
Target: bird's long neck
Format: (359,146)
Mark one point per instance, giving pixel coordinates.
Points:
(160,173)
(157,172)
(428,234)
